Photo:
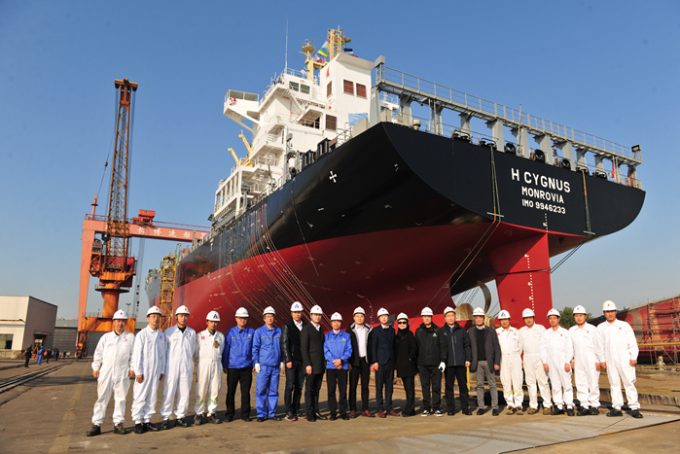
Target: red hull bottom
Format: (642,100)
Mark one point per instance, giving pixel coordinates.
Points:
(401,270)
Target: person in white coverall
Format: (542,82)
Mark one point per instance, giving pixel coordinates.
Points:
(149,358)
(618,352)
(511,364)
(586,365)
(210,347)
(111,368)
(557,352)
(531,336)
(182,346)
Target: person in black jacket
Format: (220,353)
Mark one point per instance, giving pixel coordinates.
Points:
(428,360)
(486,360)
(358,333)
(314,362)
(455,354)
(406,356)
(381,357)
(292,357)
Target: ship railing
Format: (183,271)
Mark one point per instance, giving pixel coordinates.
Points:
(410,88)
(279,80)
(609,172)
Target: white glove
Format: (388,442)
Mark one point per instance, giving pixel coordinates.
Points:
(257,368)
(442,366)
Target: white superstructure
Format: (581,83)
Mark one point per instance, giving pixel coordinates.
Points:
(297,111)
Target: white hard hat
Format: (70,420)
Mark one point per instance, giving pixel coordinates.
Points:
(402,316)
(478,311)
(336,317)
(449,309)
(609,305)
(383,311)
(359,310)
(426,311)
(554,311)
(268,310)
(316,309)
(503,315)
(182,310)
(242,312)
(580,310)
(296,307)
(120,315)
(213,316)
(154,310)
(528,313)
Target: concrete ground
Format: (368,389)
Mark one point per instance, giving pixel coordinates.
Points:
(52,414)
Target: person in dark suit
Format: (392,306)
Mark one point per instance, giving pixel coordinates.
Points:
(406,358)
(314,362)
(359,332)
(455,354)
(381,348)
(292,358)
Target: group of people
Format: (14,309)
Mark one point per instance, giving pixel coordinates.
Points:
(542,357)
(40,354)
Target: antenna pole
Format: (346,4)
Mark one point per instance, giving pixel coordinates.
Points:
(286,53)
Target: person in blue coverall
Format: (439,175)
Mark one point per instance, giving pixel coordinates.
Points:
(267,359)
(337,351)
(237,363)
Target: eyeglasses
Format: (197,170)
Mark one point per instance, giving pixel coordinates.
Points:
(402,323)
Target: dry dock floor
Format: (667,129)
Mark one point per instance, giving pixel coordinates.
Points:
(52,413)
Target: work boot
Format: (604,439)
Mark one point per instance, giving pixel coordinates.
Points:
(547,411)
(636,414)
(139,428)
(261,419)
(519,411)
(582,411)
(275,418)
(557,411)
(467,412)
(367,413)
(570,411)
(532,411)
(182,422)
(119,429)
(151,427)
(198,419)
(95,430)
(614,412)
(311,417)
(594,411)
(166,425)
(511,411)
(481,411)
(496,412)
(212,417)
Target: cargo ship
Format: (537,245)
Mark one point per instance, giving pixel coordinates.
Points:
(347,196)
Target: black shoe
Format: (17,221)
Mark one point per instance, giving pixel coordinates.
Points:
(496,412)
(320,416)
(614,412)
(261,419)
(95,430)
(570,412)
(481,411)
(291,417)
(151,427)
(139,428)
(636,414)
(166,425)
(228,418)
(344,416)
(276,418)
(311,418)
(582,411)
(557,411)
(182,422)
(198,420)
(214,419)
(119,429)
(245,418)
(594,411)
(467,412)
(451,412)
(333,417)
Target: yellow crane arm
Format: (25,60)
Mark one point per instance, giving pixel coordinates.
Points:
(247,145)
(233,155)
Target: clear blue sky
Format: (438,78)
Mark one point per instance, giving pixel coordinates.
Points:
(608,67)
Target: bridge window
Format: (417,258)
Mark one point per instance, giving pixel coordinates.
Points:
(361,90)
(331,122)
(348,87)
